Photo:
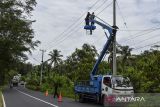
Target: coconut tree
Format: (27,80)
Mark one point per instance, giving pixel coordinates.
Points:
(125,53)
(55,57)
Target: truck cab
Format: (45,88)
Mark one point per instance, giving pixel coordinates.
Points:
(116,85)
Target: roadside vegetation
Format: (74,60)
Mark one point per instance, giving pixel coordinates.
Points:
(142,69)
(17,38)
(1,102)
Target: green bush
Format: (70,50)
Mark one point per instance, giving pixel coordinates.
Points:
(32,87)
(33,82)
(65,85)
(46,86)
(23,78)
(1,103)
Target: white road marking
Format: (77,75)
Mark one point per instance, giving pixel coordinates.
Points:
(37,98)
(4,104)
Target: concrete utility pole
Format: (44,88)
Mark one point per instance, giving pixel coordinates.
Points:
(42,65)
(114,68)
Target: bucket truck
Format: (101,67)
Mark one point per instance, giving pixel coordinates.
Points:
(100,87)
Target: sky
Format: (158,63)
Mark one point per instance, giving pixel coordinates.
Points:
(59,25)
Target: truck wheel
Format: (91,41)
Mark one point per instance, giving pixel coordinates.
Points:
(16,84)
(75,97)
(11,86)
(101,100)
(98,99)
(81,99)
(106,103)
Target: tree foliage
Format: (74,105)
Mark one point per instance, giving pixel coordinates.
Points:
(143,69)
(16,33)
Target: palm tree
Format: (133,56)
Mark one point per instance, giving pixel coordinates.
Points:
(125,53)
(55,57)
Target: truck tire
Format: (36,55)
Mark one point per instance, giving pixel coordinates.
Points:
(76,97)
(98,100)
(11,86)
(102,100)
(81,98)
(106,103)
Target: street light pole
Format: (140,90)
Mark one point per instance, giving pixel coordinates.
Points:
(41,66)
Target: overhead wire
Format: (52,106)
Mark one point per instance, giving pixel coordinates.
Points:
(129,31)
(139,35)
(100,5)
(101,19)
(60,36)
(60,41)
(104,9)
(146,45)
(69,27)
(152,37)
(34,59)
(153,28)
(123,18)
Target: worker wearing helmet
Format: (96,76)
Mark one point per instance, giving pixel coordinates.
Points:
(87,18)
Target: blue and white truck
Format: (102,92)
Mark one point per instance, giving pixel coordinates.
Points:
(100,87)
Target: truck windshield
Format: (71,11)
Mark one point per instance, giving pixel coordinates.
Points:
(120,81)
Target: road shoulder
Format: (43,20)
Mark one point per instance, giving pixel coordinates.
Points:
(4,104)
(2,101)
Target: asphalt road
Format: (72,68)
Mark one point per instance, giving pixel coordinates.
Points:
(22,97)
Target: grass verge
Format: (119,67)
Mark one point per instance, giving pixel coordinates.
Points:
(1,102)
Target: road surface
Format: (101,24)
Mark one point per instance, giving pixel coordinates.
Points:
(22,97)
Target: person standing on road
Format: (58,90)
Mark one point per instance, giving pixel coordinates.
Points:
(10,84)
(56,90)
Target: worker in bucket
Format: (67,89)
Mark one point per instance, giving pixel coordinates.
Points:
(87,18)
(92,16)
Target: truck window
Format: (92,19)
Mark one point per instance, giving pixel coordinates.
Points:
(121,81)
(107,81)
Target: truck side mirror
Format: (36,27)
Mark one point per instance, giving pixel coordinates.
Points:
(106,89)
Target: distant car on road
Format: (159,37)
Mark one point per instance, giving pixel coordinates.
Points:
(15,80)
(22,82)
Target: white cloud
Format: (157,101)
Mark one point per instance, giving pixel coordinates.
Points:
(54,16)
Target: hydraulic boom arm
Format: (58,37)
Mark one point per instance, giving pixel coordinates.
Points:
(105,48)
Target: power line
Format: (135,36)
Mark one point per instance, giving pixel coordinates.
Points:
(101,5)
(34,59)
(128,30)
(123,18)
(121,14)
(138,35)
(69,27)
(65,37)
(145,40)
(104,8)
(146,45)
(140,29)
